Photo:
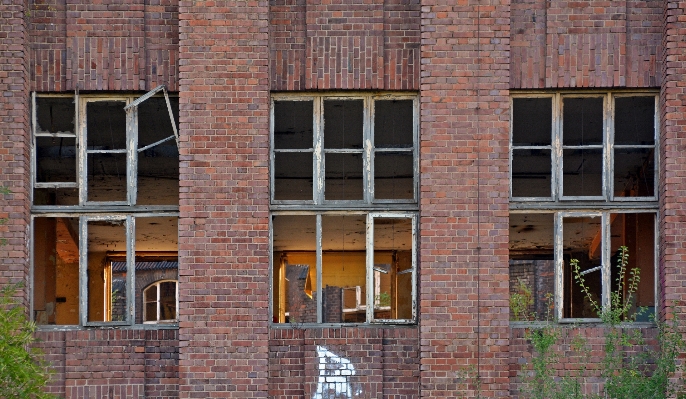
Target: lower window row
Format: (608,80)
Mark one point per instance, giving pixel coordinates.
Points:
(543,245)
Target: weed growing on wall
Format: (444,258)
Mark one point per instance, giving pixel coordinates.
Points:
(629,368)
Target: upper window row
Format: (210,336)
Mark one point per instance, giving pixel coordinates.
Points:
(105,150)
(358,148)
(591,146)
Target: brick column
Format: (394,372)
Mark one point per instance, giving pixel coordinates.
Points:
(14,150)
(464,197)
(673,159)
(223,228)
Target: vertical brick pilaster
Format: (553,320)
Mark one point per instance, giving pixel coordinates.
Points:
(224,198)
(464,197)
(673,158)
(14,143)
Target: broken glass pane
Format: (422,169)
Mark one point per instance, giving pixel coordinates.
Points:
(343,177)
(532,121)
(582,121)
(295,269)
(393,124)
(106,278)
(531,172)
(55,159)
(55,196)
(582,172)
(293,125)
(56,271)
(55,115)
(107,177)
(635,120)
(106,125)
(293,176)
(343,120)
(582,240)
(392,277)
(154,123)
(636,231)
(532,266)
(344,275)
(634,172)
(393,175)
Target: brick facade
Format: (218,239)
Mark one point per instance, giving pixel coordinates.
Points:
(224,57)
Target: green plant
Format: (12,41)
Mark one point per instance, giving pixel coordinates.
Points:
(520,302)
(383,299)
(23,372)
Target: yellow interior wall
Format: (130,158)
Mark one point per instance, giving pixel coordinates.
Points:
(68,287)
(96,285)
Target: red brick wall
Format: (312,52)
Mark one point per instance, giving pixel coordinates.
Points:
(14,144)
(103,45)
(386,361)
(358,44)
(112,363)
(673,164)
(591,43)
(464,196)
(572,362)
(224,198)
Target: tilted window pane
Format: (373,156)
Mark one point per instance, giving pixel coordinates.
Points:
(343,178)
(634,172)
(343,121)
(55,115)
(582,240)
(582,121)
(293,125)
(293,176)
(344,269)
(532,266)
(531,173)
(393,175)
(532,121)
(294,264)
(582,172)
(635,120)
(393,124)
(56,270)
(392,270)
(55,159)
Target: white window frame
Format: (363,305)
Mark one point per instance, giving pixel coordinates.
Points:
(157,301)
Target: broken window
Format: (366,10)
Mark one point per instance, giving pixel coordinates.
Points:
(105,213)
(583,185)
(355,260)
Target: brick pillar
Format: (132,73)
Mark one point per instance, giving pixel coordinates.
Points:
(14,150)
(673,159)
(464,197)
(223,227)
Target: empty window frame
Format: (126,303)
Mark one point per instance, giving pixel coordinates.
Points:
(583,168)
(595,146)
(342,149)
(351,267)
(105,149)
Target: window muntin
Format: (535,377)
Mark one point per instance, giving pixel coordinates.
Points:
(105,205)
(599,194)
(349,154)
(596,149)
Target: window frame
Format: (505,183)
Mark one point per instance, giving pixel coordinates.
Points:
(157,301)
(87,211)
(587,206)
(368,151)
(608,146)
(369,206)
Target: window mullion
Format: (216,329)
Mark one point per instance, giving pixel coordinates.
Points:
(559,267)
(318,150)
(557,148)
(319,268)
(130,269)
(368,155)
(83,270)
(608,138)
(370,267)
(132,162)
(82,166)
(607,267)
